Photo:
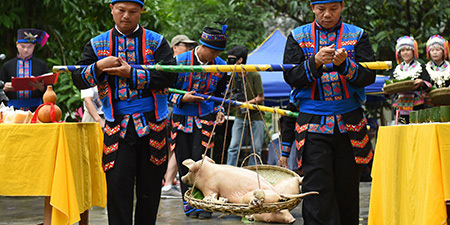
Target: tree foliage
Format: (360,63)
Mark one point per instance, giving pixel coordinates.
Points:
(71,23)
(384,20)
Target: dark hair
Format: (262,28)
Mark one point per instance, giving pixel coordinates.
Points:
(239,52)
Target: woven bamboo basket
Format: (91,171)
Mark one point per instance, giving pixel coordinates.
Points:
(402,86)
(271,174)
(440,96)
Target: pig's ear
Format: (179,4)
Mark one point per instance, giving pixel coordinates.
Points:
(208,159)
(188,163)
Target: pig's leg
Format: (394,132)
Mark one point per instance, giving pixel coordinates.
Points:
(214,197)
(259,196)
(223,200)
(283,216)
(211,197)
(254,198)
(271,196)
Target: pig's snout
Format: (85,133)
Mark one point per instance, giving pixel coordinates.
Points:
(185,179)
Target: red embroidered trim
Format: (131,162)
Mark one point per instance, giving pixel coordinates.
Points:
(205,144)
(145,47)
(111,148)
(364,160)
(110,131)
(157,161)
(103,90)
(299,144)
(157,127)
(356,128)
(345,43)
(206,133)
(158,145)
(108,166)
(306,44)
(299,163)
(173,135)
(300,129)
(206,122)
(175,124)
(360,144)
(103,53)
(285,149)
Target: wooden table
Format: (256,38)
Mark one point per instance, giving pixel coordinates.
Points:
(60,160)
(411,175)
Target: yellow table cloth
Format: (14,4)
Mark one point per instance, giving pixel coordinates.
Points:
(411,175)
(60,160)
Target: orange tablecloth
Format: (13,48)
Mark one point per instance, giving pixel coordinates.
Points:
(60,160)
(411,175)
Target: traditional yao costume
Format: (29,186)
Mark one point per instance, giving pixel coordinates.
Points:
(30,66)
(407,101)
(331,136)
(135,109)
(439,74)
(192,122)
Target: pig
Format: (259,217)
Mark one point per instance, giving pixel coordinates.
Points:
(224,183)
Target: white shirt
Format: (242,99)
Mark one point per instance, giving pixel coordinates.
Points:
(92,92)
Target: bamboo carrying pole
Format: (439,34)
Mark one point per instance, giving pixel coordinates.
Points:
(240,104)
(377,65)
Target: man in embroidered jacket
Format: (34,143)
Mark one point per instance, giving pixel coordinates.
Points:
(135,107)
(25,65)
(193,118)
(331,134)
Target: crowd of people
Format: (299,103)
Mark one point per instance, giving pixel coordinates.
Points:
(149,132)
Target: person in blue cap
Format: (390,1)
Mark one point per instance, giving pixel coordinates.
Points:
(193,118)
(331,135)
(25,65)
(135,108)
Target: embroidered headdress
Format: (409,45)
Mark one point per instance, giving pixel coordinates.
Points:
(437,41)
(140,2)
(313,2)
(406,42)
(215,38)
(30,35)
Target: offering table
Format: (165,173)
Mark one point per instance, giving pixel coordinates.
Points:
(59,160)
(411,175)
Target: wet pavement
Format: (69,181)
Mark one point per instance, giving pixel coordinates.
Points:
(30,211)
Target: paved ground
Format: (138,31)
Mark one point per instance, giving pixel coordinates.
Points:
(29,211)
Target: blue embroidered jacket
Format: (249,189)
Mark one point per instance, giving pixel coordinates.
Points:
(203,83)
(330,98)
(144,90)
(333,92)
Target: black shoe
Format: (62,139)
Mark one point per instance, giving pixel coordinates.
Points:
(199,213)
(204,215)
(193,214)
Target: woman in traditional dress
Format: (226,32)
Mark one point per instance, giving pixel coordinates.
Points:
(407,52)
(438,67)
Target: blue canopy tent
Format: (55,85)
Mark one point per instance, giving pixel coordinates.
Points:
(374,91)
(271,51)
(276,90)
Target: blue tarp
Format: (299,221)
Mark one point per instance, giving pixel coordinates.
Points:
(276,90)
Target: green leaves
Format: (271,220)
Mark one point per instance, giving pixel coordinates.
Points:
(197,194)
